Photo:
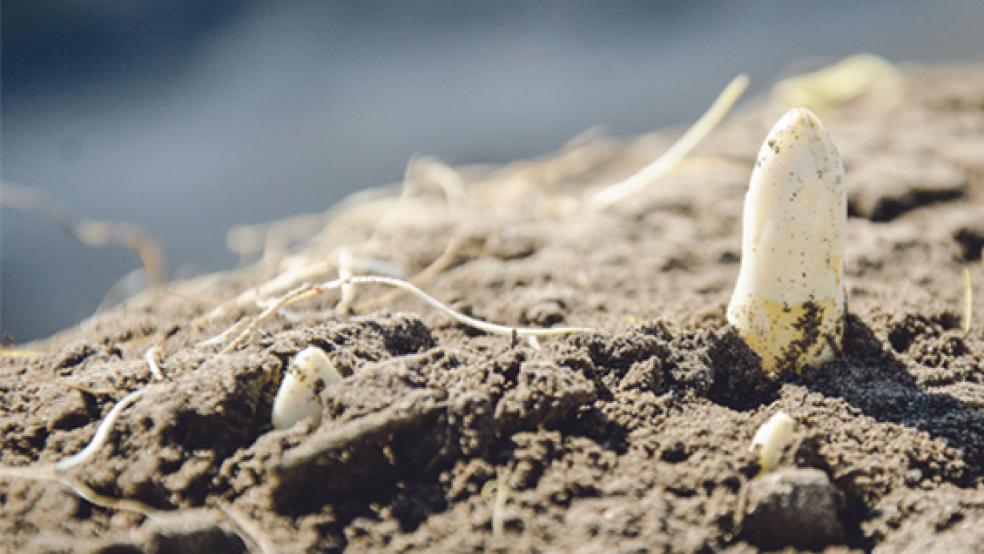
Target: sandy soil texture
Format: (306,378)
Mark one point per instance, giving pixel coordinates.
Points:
(633,438)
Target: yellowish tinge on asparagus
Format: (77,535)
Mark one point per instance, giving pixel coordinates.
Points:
(299,394)
(788,303)
(771,438)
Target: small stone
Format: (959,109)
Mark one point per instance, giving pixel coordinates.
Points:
(792,507)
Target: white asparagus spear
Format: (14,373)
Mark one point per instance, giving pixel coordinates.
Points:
(788,303)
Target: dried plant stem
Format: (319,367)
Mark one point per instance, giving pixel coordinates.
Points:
(15,353)
(48,472)
(91,232)
(248,529)
(307,291)
(707,122)
(492,328)
(85,492)
(224,335)
(282,282)
(296,295)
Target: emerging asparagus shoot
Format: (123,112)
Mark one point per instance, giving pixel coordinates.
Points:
(771,438)
(299,394)
(788,303)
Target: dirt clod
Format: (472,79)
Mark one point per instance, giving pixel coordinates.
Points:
(792,507)
(199,531)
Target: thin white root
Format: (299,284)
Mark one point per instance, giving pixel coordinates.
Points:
(348,265)
(641,179)
(14,353)
(307,291)
(305,272)
(248,528)
(152,357)
(39,472)
(48,472)
(86,493)
(300,293)
(56,472)
(492,328)
(102,433)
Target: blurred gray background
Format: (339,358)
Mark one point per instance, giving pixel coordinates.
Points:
(187,117)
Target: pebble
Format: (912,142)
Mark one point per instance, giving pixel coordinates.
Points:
(792,507)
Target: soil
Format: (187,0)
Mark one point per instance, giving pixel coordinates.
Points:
(633,438)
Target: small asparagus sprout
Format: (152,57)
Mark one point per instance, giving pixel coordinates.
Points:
(771,438)
(298,396)
(153,357)
(788,303)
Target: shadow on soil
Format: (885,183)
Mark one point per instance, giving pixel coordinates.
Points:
(872,379)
